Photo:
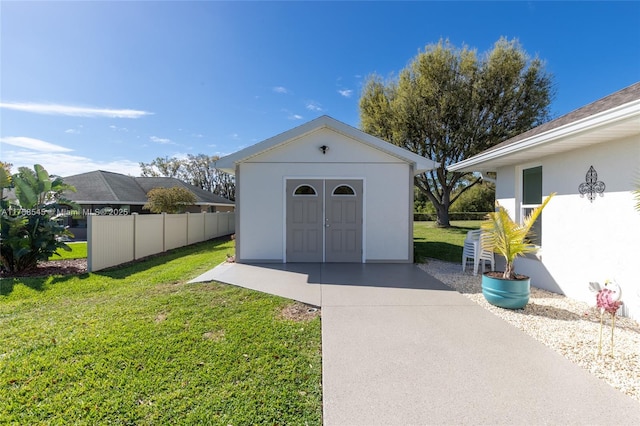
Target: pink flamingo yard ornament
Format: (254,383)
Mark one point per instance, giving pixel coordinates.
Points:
(608,300)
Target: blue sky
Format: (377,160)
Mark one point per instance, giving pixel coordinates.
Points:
(106,85)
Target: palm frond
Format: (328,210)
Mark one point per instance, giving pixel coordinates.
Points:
(508,238)
(533,216)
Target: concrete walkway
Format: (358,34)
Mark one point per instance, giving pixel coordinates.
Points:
(401,348)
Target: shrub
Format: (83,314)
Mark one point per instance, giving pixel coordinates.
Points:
(169,200)
(29,228)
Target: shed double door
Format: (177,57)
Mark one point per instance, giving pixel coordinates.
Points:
(324,220)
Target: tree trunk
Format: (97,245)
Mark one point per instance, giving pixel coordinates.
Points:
(442,208)
(442,221)
(441,203)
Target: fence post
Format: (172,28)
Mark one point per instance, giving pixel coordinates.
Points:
(89,242)
(204,225)
(135,241)
(188,220)
(164,234)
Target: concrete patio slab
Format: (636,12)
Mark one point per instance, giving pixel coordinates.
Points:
(455,364)
(284,280)
(384,285)
(401,348)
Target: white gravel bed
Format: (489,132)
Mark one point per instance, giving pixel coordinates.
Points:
(569,326)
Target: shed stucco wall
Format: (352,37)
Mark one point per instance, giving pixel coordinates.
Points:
(387,195)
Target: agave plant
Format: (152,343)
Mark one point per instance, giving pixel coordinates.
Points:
(508,238)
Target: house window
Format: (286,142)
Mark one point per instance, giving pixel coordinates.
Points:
(304,190)
(532,198)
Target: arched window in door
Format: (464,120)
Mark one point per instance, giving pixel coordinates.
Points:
(304,190)
(344,190)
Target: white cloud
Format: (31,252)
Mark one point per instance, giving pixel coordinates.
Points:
(75,131)
(280,89)
(162,141)
(347,93)
(33,144)
(74,111)
(118,129)
(295,117)
(314,106)
(67,165)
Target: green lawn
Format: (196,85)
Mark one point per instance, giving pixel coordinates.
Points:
(137,345)
(78,251)
(441,243)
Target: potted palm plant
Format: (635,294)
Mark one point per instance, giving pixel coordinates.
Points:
(508,239)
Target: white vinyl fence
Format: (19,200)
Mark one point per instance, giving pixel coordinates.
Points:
(113,240)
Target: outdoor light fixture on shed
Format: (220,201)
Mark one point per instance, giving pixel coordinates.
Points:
(324,149)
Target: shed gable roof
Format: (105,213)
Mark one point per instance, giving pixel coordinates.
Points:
(228,163)
(614,116)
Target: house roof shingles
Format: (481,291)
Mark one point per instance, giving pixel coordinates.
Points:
(203,196)
(100,187)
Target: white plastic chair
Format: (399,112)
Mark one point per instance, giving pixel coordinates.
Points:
(473,250)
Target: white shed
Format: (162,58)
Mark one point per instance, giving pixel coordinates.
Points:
(590,231)
(324,192)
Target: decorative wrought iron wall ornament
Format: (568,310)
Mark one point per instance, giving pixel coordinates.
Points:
(592,186)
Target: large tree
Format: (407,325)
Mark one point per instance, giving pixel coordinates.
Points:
(198,170)
(449,104)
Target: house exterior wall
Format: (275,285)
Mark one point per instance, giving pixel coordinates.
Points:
(386,207)
(221,209)
(585,241)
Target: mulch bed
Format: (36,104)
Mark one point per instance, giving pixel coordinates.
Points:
(53,267)
(297,311)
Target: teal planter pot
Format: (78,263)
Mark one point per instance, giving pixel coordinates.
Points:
(509,294)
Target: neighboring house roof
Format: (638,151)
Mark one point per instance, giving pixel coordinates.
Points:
(203,197)
(101,187)
(228,163)
(612,117)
